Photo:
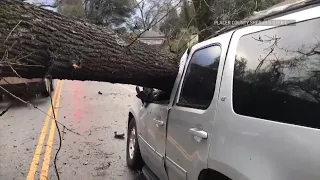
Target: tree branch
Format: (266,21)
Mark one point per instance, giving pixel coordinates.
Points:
(139,35)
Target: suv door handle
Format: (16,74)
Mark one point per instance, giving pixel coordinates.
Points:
(198,133)
(158,122)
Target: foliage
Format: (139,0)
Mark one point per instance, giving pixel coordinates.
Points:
(186,37)
(150,11)
(176,21)
(209,11)
(71,8)
(170,27)
(108,12)
(187,14)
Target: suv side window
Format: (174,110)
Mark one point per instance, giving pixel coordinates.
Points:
(200,78)
(277,74)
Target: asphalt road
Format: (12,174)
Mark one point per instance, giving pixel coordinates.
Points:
(29,139)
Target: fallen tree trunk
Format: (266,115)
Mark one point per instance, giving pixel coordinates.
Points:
(35,42)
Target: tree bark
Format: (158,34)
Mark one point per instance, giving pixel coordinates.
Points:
(35,42)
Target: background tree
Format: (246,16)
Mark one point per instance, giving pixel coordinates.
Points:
(150,12)
(209,11)
(187,14)
(111,13)
(170,26)
(71,8)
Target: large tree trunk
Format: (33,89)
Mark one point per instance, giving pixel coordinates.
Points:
(35,42)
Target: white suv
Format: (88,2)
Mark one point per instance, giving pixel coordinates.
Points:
(245,106)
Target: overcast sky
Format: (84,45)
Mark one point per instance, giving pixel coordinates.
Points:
(48,2)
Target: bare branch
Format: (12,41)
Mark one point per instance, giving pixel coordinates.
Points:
(5,55)
(195,14)
(18,64)
(141,12)
(14,96)
(16,73)
(154,23)
(11,32)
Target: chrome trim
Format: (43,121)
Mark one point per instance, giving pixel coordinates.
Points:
(179,167)
(159,154)
(150,146)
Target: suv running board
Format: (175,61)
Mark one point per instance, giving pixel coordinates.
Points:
(149,174)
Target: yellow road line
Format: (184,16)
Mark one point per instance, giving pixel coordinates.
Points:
(47,155)
(37,153)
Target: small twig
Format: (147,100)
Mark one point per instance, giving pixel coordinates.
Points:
(26,92)
(6,110)
(11,32)
(22,57)
(63,132)
(27,65)
(210,8)
(70,130)
(12,45)
(14,96)
(189,25)
(17,74)
(5,55)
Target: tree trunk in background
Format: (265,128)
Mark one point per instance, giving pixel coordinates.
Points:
(203,17)
(36,42)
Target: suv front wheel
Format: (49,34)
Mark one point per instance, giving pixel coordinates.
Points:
(133,157)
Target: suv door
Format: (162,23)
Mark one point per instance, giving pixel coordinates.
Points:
(155,137)
(190,120)
(156,125)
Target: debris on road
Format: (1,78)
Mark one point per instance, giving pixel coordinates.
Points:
(103,166)
(100,93)
(118,136)
(101,170)
(96,154)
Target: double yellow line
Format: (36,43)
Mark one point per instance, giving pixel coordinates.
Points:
(47,155)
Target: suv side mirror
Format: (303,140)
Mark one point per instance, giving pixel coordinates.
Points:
(146,95)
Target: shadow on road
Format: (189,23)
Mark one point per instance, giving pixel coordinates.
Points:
(15,103)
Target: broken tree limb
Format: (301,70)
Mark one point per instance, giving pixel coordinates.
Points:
(35,42)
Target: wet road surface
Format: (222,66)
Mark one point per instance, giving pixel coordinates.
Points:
(29,139)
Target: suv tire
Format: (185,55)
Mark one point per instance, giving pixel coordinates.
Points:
(133,156)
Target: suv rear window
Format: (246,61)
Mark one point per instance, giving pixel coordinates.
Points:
(277,74)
